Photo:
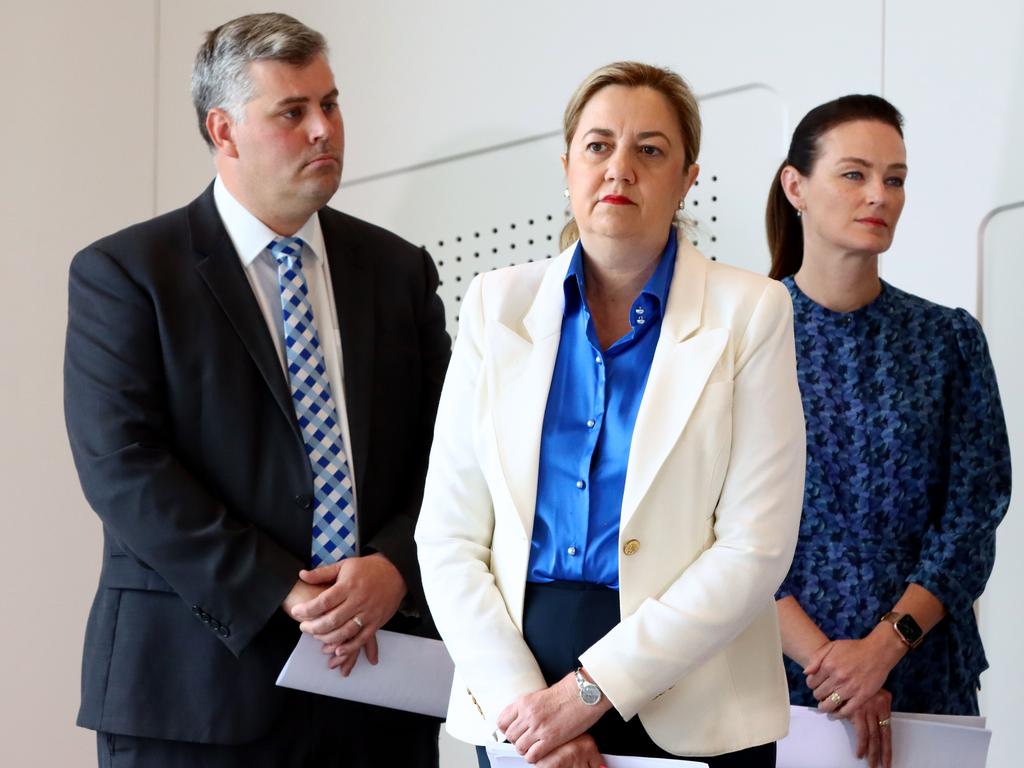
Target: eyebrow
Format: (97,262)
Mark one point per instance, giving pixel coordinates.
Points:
(866,164)
(305,99)
(641,135)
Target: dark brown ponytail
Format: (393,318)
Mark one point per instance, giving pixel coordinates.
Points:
(782,225)
(785,238)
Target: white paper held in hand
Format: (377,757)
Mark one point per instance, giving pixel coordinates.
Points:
(505,756)
(918,741)
(414,674)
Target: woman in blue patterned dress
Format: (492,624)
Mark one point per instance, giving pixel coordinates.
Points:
(908,466)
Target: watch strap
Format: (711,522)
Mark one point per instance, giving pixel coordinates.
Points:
(590,693)
(894,618)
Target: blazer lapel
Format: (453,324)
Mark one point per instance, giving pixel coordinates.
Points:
(220,268)
(353,281)
(680,369)
(519,372)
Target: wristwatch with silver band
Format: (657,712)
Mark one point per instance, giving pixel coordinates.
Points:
(590,694)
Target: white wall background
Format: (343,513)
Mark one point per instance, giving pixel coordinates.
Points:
(100,133)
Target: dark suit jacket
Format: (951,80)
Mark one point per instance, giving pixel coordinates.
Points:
(187,447)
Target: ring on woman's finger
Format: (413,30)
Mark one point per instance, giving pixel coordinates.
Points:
(357,621)
(883,723)
(835,698)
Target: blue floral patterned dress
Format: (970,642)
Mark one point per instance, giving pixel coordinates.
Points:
(908,474)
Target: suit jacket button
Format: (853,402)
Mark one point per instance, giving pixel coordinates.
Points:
(304,501)
(631,547)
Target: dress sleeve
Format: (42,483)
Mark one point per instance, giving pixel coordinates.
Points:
(787,588)
(958,550)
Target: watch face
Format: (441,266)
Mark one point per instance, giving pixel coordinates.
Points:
(590,694)
(909,629)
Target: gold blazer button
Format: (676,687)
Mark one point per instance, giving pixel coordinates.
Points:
(631,547)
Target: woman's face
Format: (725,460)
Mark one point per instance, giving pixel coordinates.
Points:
(625,166)
(853,198)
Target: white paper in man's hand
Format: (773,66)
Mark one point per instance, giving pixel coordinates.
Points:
(413,674)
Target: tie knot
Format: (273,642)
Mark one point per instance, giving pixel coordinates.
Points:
(286,250)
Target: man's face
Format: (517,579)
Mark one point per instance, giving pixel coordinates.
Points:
(289,144)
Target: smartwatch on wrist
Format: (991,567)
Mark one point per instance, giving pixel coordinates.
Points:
(907,630)
(590,694)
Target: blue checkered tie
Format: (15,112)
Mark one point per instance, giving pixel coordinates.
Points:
(333,513)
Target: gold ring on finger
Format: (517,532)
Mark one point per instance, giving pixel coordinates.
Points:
(357,621)
(883,723)
(835,698)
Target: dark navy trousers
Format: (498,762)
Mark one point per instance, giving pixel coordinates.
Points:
(563,619)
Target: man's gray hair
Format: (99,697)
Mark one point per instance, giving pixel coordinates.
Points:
(220,75)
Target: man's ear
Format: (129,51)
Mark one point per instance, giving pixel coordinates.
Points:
(221,127)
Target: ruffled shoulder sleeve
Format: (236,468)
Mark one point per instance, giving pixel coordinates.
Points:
(971,344)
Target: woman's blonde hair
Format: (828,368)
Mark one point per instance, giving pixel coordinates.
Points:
(633,74)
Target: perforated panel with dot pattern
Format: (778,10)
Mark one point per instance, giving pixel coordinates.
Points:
(505,206)
(461,258)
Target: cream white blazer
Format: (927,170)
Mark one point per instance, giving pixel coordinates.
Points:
(710,509)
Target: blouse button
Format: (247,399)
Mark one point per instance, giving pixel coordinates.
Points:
(571,551)
(631,547)
(580,484)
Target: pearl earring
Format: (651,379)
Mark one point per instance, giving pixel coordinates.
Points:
(682,204)
(565,193)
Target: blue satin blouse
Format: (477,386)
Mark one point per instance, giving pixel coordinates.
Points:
(588,432)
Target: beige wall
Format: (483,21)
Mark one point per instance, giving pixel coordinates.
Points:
(76,153)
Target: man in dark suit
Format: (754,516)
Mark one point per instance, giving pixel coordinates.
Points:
(250,388)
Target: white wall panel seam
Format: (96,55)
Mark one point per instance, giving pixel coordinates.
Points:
(982,227)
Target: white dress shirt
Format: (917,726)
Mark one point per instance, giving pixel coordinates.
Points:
(250,236)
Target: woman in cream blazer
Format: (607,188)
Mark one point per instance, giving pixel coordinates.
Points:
(709,514)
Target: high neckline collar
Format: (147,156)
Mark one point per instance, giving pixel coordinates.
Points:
(802,301)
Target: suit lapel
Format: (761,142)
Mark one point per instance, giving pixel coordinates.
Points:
(220,268)
(519,374)
(353,282)
(680,369)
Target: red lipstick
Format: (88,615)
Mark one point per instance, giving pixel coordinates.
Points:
(617,200)
(871,221)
